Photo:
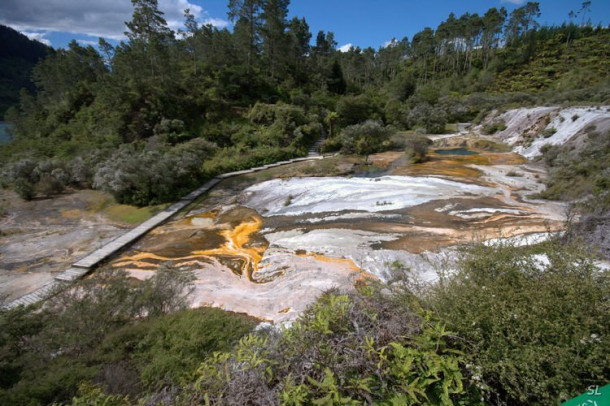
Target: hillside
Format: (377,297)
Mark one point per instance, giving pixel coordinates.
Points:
(18,56)
(558,63)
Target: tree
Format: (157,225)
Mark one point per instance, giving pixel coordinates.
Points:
(336,82)
(299,36)
(246,14)
(149,34)
(191,41)
(493,21)
(522,19)
(147,22)
(423,47)
(275,42)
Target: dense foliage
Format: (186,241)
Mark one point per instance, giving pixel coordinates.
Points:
(126,337)
(265,90)
(511,325)
(535,321)
(580,173)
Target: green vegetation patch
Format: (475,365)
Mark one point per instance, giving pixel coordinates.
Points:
(367,347)
(488,145)
(127,214)
(127,337)
(533,320)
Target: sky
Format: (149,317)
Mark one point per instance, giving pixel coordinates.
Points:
(360,23)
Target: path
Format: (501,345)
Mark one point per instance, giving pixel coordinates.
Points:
(91,261)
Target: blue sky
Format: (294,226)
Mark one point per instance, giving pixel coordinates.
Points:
(359,22)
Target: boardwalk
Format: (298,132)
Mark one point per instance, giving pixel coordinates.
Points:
(88,263)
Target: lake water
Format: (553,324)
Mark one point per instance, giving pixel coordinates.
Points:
(455,151)
(4,136)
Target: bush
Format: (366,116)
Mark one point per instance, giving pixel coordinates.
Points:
(494,127)
(152,173)
(269,114)
(417,148)
(331,145)
(432,119)
(548,132)
(574,173)
(167,350)
(371,347)
(356,109)
(396,114)
(113,332)
(365,138)
(30,177)
(516,311)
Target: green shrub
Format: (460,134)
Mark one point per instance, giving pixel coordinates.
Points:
(548,132)
(534,320)
(48,353)
(488,145)
(432,118)
(153,172)
(573,173)
(494,127)
(372,347)
(331,145)
(167,350)
(365,138)
(417,148)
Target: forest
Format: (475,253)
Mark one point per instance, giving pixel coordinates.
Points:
(154,116)
(188,105)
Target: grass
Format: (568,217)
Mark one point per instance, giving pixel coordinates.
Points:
(124,213)
(101,202)
(451,128)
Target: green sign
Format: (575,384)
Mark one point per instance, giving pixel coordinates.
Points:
(595,396)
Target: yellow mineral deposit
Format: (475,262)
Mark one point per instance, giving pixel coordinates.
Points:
(458,166)
(236,248)
(322,258)
(345,262)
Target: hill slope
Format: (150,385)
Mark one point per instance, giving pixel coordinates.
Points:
(18,55)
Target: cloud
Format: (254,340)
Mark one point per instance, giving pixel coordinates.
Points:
(391,43)
(37,36)
(346,47)
(100,18)
(514,1)
(86,42)
(216,22)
